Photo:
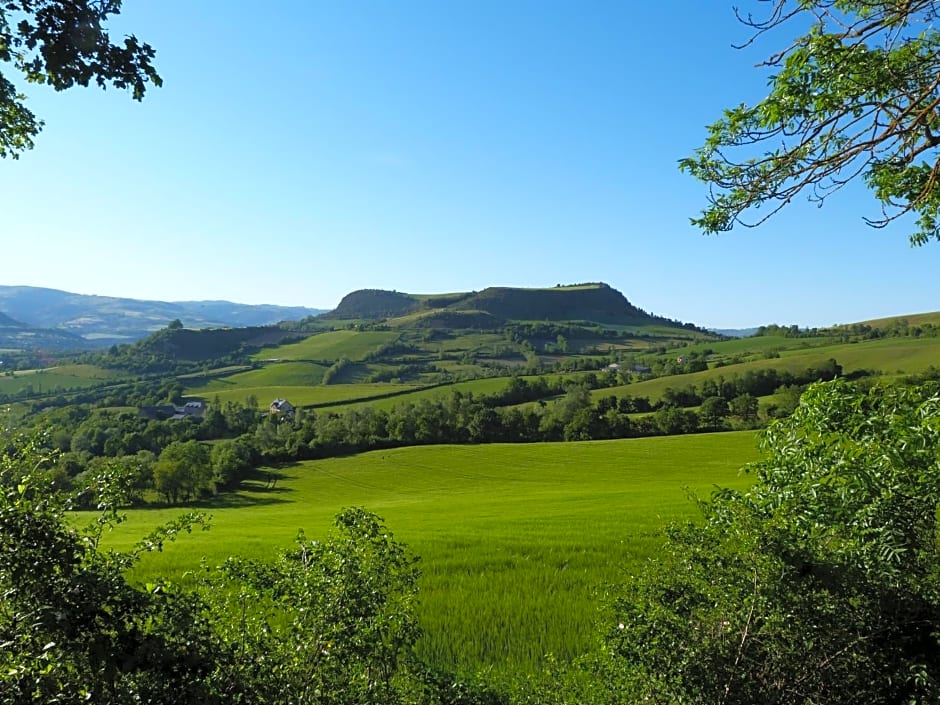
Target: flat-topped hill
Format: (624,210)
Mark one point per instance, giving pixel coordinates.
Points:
(595,302)
(598,302)
(374,303)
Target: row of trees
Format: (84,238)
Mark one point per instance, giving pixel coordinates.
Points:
(166,456)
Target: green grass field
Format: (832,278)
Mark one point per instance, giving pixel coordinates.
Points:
(299,395)
(274,374)
(477,387)
(913,319)
(467,342)
(518,542)
(753,345)
(888,355)
(331,346)
(48,379)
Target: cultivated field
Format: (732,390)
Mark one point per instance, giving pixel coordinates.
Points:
(49,379)
(331,345)
(517,541)
(889,356)
(280,374)
(301,395)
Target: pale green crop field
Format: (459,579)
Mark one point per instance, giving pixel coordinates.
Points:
(331,345)
(518,543)
(754,345)
(889,355)
(913,319)
(905,355)
(274,374)
(47,379)
(477,387)
(300,395)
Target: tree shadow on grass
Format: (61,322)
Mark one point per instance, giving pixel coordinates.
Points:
(259,489)
(233,500)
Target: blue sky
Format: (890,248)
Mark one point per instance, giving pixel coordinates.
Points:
(300,150)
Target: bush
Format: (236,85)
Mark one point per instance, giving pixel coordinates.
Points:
(328,622)
(819,584)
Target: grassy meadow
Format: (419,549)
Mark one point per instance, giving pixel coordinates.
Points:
(517,542)
(299,395)
(295,371)
(889,356)
(280,374)
(331,345)
(48,379)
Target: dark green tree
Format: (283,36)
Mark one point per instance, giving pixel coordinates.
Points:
(745,407)
(713,412)
(855,94)
(63,44)
(672,420)
(232,460)
(183,471)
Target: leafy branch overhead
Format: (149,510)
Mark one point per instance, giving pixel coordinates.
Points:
(63,44)
(857,95)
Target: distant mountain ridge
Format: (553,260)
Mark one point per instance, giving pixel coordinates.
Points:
(7,323)
(83,321)
(595,302)
(17,335)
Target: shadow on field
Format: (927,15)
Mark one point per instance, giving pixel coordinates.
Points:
(257,498)
(258,490)
(228,500)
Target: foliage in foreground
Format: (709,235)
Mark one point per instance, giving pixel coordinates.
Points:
(855,95)
(63,44)
(328,622)
(817,585)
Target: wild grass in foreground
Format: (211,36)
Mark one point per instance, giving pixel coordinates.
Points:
(517,542)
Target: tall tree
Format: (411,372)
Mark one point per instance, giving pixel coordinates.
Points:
(183,470)
(856,95)
(63,44)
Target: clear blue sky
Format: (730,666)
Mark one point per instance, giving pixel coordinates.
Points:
(300,150)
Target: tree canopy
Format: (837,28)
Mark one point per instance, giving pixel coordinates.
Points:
(856,96)
(63,44)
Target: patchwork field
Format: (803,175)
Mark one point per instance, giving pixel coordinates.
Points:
(280,374)
(301,395)
(517,541)
(52,378)
(753,345)
(331,345)
(890,356)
